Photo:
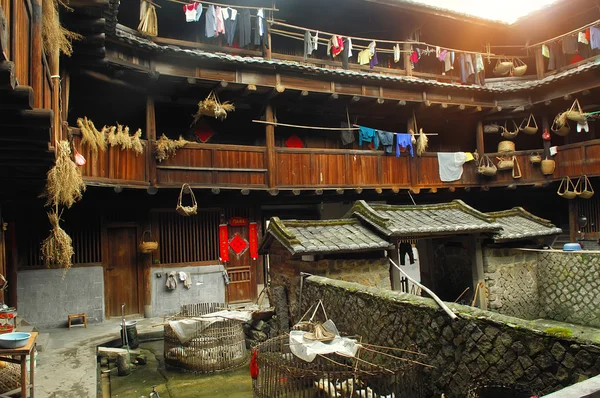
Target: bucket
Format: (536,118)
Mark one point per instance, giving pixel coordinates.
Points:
(132,335)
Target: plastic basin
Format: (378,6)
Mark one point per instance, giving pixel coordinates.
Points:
(572,247)
(14,340)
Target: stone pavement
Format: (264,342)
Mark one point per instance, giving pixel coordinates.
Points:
(66,367)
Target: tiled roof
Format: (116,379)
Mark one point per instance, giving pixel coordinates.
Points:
(323,236)
(454,218)
(519,224)
(138,41)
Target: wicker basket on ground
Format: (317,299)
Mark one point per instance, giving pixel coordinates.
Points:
(10,377)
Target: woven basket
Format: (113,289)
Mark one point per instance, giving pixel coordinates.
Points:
(535,158)
(487,167)
(584,188)
(560,126)
(548,166)
(10,377)
(492,128)
(520,67)
(505,163)
(510,134)
(147,246)
(575,113)
(503,67)
(506,146)
(566,189)
(529,125)
(187,210)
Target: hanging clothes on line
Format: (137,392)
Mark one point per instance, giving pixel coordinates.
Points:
(406,248)
(373,60)
(337,45)
(364,57)
(595,37)
(345,52)
(545,51)
(404,141)
(211,21)
(192,12)
(316,41)
(569,44)
(581,37)
(347,136)
(259,31)
(308,45)
(220,21)
(448,62)
(386,139)
(397,53)
(245,27)
(349,46)
(366,134)
(230,24)
(450,165)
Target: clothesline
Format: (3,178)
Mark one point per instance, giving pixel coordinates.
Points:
(306,127)
(356,125)
(273,22)
(221,4)
(596,22)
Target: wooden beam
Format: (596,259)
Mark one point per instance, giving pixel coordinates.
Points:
(249,89)
(270,142)
(379,191)
(358,190)
(220,86)
(3,36)
(433,190)
(452,189)
(539,64)
(273,192)
(402,103)
(333,97)
(8,80)
(296,192)
(88,3)
(36,52)
(215,191)
(116,82)
(339,191)
(479,138)
(245,192)
(22,97)
(278,89)
(407,63)
(150,119)
(355,98)
(318,192)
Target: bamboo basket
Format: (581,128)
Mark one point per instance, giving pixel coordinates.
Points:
(145,246)
(486,167)
(560,125)
(516,171)
(10,377)
(566,189)
(492,128)
(510,134)
(505,163)
(149,24)
(535,158)
(506,146)
(548,166)
(529,128)
(520,67)
(584,188)
(187,210)
(503,67)
(575,113)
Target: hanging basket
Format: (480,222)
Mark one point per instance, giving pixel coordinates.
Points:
(548,166)
(529,125)
(560,126)
(211,106)
(535,158)
(506,146)
(519,68)
(566,189)
(575,113)
(505,163)
(147,246)
(516,171)
(510,134)
(584,188)
(503,67)
(486,167)
(187,210)
(492,128)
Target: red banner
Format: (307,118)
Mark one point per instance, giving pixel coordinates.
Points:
(238,221)
(253,238)
(223,243)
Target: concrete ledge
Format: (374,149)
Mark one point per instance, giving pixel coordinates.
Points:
(586,389)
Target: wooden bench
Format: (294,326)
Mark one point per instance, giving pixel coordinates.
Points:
(78,316)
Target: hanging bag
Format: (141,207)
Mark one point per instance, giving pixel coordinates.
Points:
(147,246)
(486,167)
(503,67)
(566,189)
(187,210)
(529,125)
(510,134)
(505,163)
(535,158)
(560,125)
(516,173)
(519,67)
(575,113)
(584,188)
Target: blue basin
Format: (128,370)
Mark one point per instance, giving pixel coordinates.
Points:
(572,247)
(14,340)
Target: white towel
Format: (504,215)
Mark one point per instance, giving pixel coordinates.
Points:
(451,165)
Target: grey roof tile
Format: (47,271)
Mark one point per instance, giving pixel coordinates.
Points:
(518,224)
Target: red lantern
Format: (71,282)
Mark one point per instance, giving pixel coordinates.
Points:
(254,365)
(546,135)
(223,243)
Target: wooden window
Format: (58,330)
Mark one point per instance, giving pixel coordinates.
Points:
(192,239)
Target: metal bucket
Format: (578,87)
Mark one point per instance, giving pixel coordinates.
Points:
(132,334)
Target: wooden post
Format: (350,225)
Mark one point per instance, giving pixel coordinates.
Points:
(479,137)
(539,63)
(477,269)
(394,273)
(65,92)
(407,63)
(270,132)
(151,136)
(36,53)
(54,72)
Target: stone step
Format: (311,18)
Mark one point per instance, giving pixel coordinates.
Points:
(42,341)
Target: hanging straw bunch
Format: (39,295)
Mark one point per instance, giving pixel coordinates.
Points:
(64,185)
(90,136)
(149,22)
(55,38)
(165,147)
(119,136)
(57,248)
(211,106)
(422,143)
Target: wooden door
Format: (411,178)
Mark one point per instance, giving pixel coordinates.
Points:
(121,271)
(241,268)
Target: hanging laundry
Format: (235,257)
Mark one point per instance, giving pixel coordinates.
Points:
(347,136)
(366,134)
(316,41)
(479,67)
(220,21)
(245,27)
(397,53)
(469,64)
(469,157)
(406,249)
(464,75)
(545,51)
(364,57)
(345,53)
(258,32)
(329,47)
(569,44)
(374,62)
(448,62)
(583,127)
(582,39)
(404,141)
(576,58)
(308,45)
(451,165)
(438,52)
(414,57)
(230,25)
(337,45)
(192,11)
(442,55)
(595,37)
(386,139)
(211,21)
(349,45)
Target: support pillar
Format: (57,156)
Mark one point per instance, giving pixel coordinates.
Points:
(270,141)
(478,275)
(480,139)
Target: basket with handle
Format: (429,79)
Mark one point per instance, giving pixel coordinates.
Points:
(566,189)
(510,134)
(503,67)
(535,158)
(516,171)
(486,167)
(548,166)
(584,188)
(492,128)
(519,68)
(186,210)
(560,125)
(505,163)
(575,113)
(529,125)
(147,246)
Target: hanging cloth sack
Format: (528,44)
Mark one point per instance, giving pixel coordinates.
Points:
(505,163)
(510,134)
(576,114)
(486,167)
(566,189)
(502,67)
(187,210)
(584,188)
(560,125)
(519,67)
(516,173)
(529,125)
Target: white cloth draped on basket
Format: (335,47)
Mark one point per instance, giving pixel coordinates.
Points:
(307,350)
(451,165)
(187,329)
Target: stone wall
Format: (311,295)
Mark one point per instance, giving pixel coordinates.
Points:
(479,346)
(512,279)
(208,286)
(46,297)
(569,286)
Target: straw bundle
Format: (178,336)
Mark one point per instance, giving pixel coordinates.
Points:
(55,38)
(422,143)
(64,185)
(166,147)
(94,139)
(211,106)
(149,24)
(119,136)
(57,248)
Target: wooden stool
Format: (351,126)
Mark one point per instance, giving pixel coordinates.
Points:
(78,316)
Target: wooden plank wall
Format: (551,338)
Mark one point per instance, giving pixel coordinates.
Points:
(20,33)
